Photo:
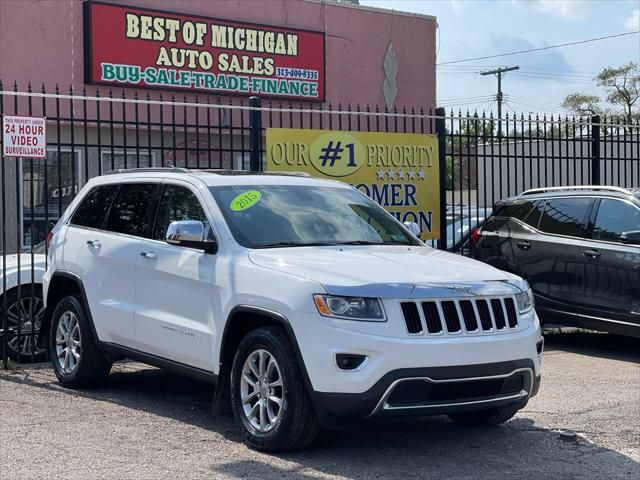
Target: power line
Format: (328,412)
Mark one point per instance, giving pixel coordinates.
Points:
(540,49)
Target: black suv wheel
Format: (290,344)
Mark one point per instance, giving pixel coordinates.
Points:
(268,395)
(76,358)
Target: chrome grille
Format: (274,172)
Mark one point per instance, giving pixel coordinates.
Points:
(455,317)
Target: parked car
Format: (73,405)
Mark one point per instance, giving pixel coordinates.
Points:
(460,226)
(579,249)
(24,305)
(302,299)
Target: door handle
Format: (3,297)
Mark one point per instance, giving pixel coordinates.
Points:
(591,253)
(523,245)
(150,255)
(94,243)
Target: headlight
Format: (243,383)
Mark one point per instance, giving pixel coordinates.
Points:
(353,308)
(525,301)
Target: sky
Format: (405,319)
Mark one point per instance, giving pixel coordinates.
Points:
(476,28)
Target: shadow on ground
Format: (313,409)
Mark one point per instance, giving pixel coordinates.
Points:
(390,448)
(603,345)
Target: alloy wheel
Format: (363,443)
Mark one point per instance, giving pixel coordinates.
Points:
(68,342)
(24,318)
(262,391)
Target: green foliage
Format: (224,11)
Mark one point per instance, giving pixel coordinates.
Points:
(622,86)
(582,104)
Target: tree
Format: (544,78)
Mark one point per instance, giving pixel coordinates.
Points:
(623,86)
(582,104)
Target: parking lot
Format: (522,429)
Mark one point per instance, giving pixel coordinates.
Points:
(148,423)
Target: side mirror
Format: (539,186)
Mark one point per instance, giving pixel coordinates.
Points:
(414,228)
(190,233)
(630,238)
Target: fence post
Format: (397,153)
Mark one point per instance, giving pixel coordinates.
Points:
(595,150)
(255,128)
(441,132)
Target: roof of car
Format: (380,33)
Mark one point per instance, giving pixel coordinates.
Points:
(577,190)
(213,177)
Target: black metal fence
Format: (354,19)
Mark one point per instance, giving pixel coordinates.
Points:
(92,133)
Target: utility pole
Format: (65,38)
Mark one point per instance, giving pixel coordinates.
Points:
(499,98)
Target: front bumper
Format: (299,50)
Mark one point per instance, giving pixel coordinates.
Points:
(435,391)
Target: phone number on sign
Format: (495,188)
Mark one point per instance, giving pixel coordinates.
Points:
(285,72)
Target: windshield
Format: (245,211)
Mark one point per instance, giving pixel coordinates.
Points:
(262,216)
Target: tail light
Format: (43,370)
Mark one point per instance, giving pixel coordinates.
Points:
(475,236)
(49,238)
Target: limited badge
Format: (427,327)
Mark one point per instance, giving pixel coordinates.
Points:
(245,200)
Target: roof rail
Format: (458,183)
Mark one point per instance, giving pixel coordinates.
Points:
(605,188)
(149,169)
(223,171)
(217,171)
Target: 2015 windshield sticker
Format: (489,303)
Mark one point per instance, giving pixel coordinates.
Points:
(245,200)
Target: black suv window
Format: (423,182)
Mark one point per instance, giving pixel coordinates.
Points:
(94,207)
(565,216)
(517,209)
(178,203)
(533,218)
(614,218)
(130,209)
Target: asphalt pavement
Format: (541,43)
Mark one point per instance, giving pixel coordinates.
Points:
(152,424)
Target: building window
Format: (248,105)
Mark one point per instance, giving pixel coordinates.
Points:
(48,187)
(133,159)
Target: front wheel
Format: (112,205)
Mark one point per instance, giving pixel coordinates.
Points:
(77,360)
(268,395)
(493,416)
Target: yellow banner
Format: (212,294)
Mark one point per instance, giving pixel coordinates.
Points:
(399,171)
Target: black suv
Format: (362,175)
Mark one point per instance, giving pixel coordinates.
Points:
(579,249)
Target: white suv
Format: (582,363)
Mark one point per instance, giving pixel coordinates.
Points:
(305,302)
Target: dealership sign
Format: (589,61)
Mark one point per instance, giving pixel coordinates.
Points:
(24,136)
(136,47)
(400,171)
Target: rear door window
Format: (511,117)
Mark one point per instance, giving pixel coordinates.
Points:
(565,216)
(130,210)
(94,207)
(614,218)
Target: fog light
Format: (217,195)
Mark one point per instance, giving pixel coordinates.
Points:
(348,361)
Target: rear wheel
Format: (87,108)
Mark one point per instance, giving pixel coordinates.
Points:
(77,360)
(493,416)
(268,395)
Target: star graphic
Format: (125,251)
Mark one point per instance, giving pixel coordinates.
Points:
(380,174)
(401,174)
(421,174)
(411,174)
(391,174)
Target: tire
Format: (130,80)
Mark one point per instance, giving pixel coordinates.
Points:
(77,361)
(493,416)
(290,425)
(19,318)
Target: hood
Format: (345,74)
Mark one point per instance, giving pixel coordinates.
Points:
(387,271)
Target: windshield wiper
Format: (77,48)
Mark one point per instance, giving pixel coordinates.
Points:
(293,244)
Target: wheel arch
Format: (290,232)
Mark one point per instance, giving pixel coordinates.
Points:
(241,320)
(60,285)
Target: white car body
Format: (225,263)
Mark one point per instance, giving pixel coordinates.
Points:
(11,272)
(176,304)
